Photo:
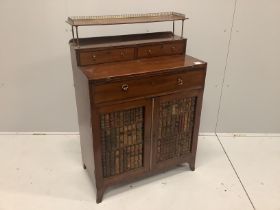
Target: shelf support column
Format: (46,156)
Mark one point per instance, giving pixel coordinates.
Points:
(173,27)
(182,32)
(73,33)
(77,35)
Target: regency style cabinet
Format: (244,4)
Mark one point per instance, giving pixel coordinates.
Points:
(138,98)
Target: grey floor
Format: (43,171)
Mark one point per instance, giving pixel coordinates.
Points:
(40,172)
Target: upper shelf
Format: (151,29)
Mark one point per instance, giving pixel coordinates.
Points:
(125,19)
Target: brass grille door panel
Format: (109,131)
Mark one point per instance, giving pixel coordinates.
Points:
(174,121)
(175,128)
(123,139)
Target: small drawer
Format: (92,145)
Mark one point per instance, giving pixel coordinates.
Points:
(174,48)
(141,87)
(106,56)
(150,51)
(162,49)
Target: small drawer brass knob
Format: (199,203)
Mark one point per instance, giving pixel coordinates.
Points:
(180,81)
(173,48)
(150,52)
(94,57)
(125,87)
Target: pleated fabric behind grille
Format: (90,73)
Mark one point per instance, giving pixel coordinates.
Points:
(175,128)
(122,136)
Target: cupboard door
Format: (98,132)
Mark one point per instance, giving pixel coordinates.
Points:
(124,138)
(175,126)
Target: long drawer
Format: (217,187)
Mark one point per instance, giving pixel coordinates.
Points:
(141,87)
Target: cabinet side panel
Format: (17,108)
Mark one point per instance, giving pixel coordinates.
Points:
(84,115)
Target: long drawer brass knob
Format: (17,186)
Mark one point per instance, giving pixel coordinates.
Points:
(180,81)
(125,87)
(94,57)
(150,52)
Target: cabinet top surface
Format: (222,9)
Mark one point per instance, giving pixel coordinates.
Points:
(142,67)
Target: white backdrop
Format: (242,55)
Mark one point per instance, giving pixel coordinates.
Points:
(36,84)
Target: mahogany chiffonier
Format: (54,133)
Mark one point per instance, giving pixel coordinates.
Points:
(138,98)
